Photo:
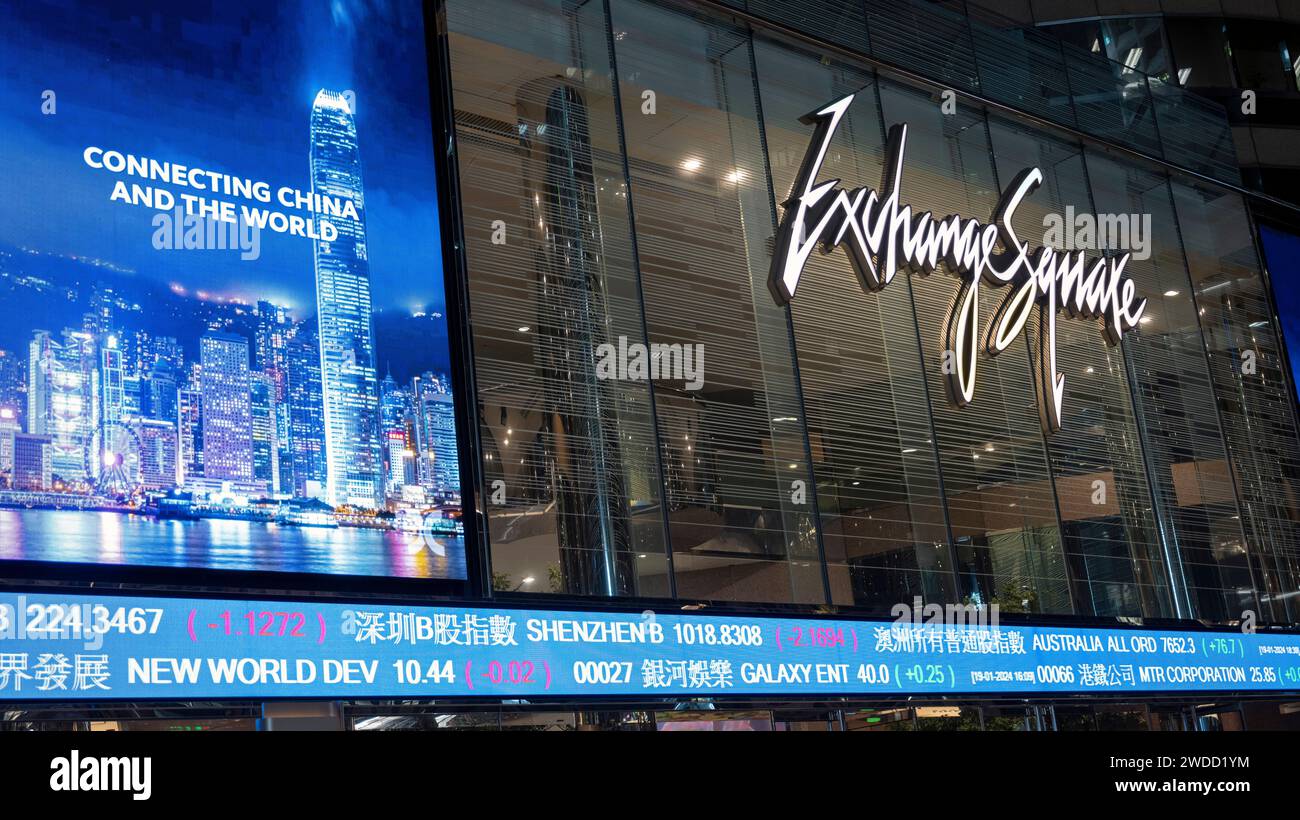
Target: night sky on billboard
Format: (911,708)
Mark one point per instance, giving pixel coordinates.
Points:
(228,88)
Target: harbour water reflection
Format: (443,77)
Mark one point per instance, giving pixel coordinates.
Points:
(139,540)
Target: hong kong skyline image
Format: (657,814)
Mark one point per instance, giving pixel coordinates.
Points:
(280,401)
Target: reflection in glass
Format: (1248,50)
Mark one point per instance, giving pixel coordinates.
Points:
(1101,489)
(572,489)
(995,476)
(740,510)
(860,364)
(1246,364)
(1198,575)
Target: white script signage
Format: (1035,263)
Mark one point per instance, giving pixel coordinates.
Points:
(881,236)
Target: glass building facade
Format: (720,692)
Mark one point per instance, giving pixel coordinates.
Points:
(621,171)
(644,425)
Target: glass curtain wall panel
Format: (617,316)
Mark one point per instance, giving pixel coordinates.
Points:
(860,365)
(928,37)
(1177,418)
(741,513)
(1000,502)
(1096,456)
(572,483)
(1254,398)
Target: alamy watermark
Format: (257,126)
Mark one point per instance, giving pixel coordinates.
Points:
(636,361)
(1072,231)
(919,613)
(74,773)
(177,230)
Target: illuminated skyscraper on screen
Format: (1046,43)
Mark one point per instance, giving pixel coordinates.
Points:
(306,422)
(227,407)
(61,400)
(349,379)
(436,434)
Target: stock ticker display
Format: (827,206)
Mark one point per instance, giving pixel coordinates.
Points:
(80,647)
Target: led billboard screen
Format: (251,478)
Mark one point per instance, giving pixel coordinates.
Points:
(224,342)
(1282,254)
(68,647)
